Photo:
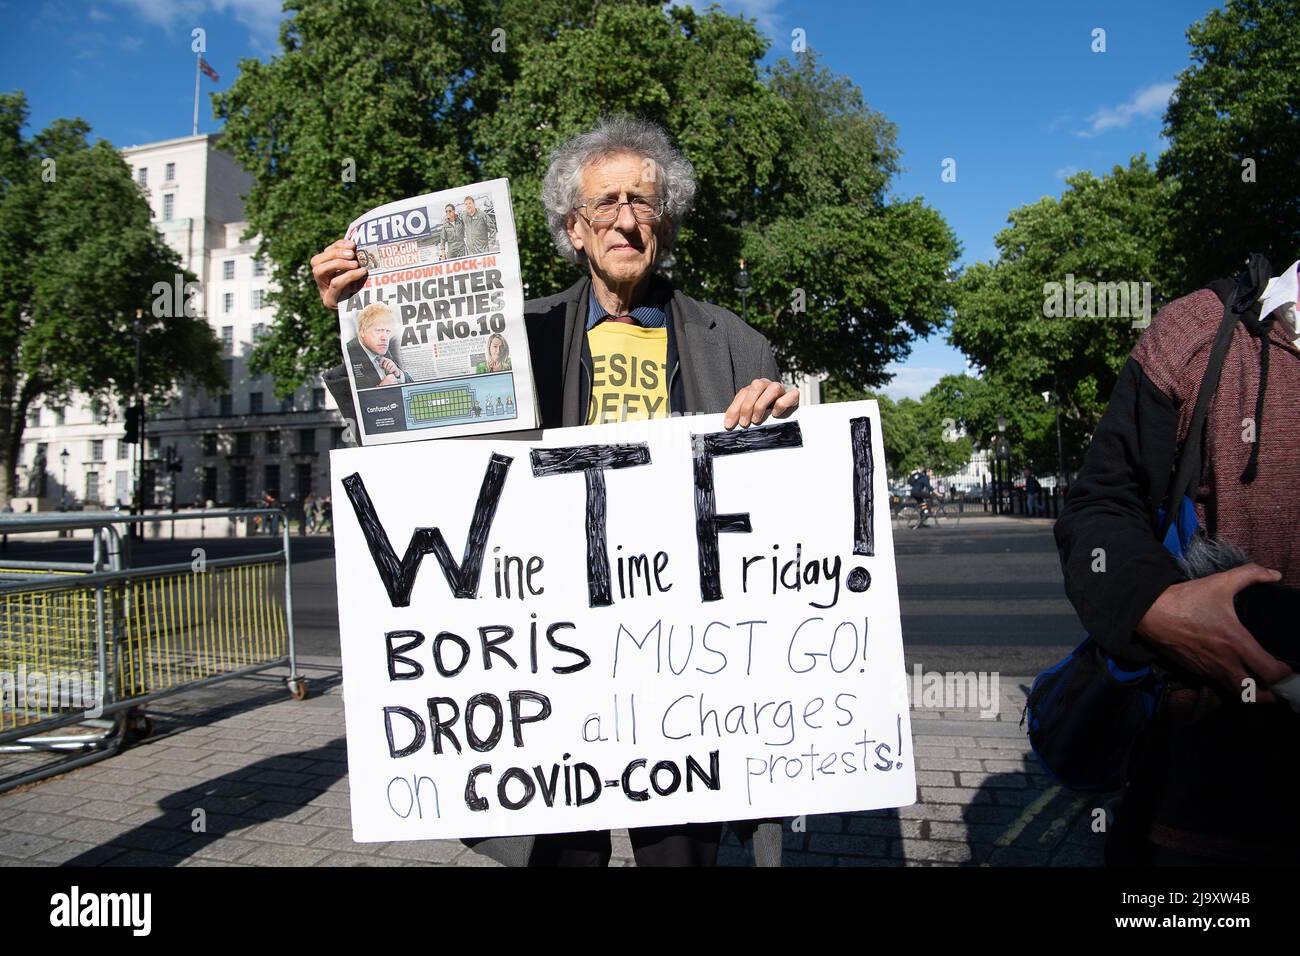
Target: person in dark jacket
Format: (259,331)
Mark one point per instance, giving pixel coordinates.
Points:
(615,197)
(1214,780)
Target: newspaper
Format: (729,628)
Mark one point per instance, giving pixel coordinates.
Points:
(434,343)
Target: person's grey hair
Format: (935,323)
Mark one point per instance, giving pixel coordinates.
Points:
(611,136)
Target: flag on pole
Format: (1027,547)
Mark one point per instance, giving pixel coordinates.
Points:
(208,71)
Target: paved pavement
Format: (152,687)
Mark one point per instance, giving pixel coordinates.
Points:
(239,774)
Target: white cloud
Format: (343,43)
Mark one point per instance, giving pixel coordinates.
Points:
(165,13)
(762,11)
(912,381)
(1147,102)
(261,17)
(1065,172)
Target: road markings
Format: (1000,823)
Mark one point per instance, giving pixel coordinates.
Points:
(1012,833)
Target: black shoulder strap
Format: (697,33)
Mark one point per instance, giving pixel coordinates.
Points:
(1192,455)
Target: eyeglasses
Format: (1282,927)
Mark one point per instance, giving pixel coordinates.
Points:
(606,210)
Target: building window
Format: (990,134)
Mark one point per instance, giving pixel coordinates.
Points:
(317,399)
(59,415)
(155,445)
(271,481)
(33,418)
(226,405)
(228,269)
(92,486)
(209,483)
(273,443)
(243,443)
(142,176)
(286,403)
(259,298)
(97,449)
(259,267)
(227,337)
(169,206)
(259,330)
(238,485)
(171,173)
(254,403)
(336,438)
(121,450)
(302,479)
(210,443)
(307,439)
(228,368)
(228,302)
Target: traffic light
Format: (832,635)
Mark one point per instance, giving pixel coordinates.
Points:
(134,414)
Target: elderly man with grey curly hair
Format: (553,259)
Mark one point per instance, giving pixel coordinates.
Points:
(620,344)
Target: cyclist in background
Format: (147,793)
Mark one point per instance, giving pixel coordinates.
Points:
(919,483)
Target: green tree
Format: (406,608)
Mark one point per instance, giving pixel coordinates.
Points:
(793,168)
(1102,229)
(916,434)
(976,404)
(845,278)
(82,257)
(1234,142)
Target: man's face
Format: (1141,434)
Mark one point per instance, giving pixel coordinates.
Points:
(470,208)
(377,334)
(451,213)
(623,250)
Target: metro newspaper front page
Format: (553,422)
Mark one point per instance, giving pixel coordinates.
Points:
(434,342)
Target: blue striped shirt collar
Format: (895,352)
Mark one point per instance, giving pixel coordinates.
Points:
(650,315)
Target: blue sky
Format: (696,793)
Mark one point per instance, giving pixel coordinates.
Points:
(1012,91)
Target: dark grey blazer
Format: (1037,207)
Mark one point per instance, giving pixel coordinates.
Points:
(716,355)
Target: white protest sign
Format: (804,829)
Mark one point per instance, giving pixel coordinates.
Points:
(623,625)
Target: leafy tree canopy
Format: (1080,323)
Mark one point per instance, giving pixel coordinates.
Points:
(375,100)
(82,257)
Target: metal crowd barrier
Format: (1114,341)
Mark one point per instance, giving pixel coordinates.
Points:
(83,645)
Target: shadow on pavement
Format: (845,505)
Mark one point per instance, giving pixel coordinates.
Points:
(1024,818)
(223,806)
(187,709)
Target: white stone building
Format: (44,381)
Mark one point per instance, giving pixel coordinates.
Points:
(232,447)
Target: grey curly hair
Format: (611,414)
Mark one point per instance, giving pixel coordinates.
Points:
(609,137)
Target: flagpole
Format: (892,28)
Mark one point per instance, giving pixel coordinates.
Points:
(198,59)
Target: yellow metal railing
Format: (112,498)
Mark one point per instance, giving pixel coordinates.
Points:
(162,632)
(49,652)
(184,627)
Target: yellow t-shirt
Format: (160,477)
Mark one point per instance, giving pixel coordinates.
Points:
(629,373)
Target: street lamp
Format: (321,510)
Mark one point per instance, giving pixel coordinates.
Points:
(743,286)
(1002,472)
(63,480)
(137,327)
(1055,398)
